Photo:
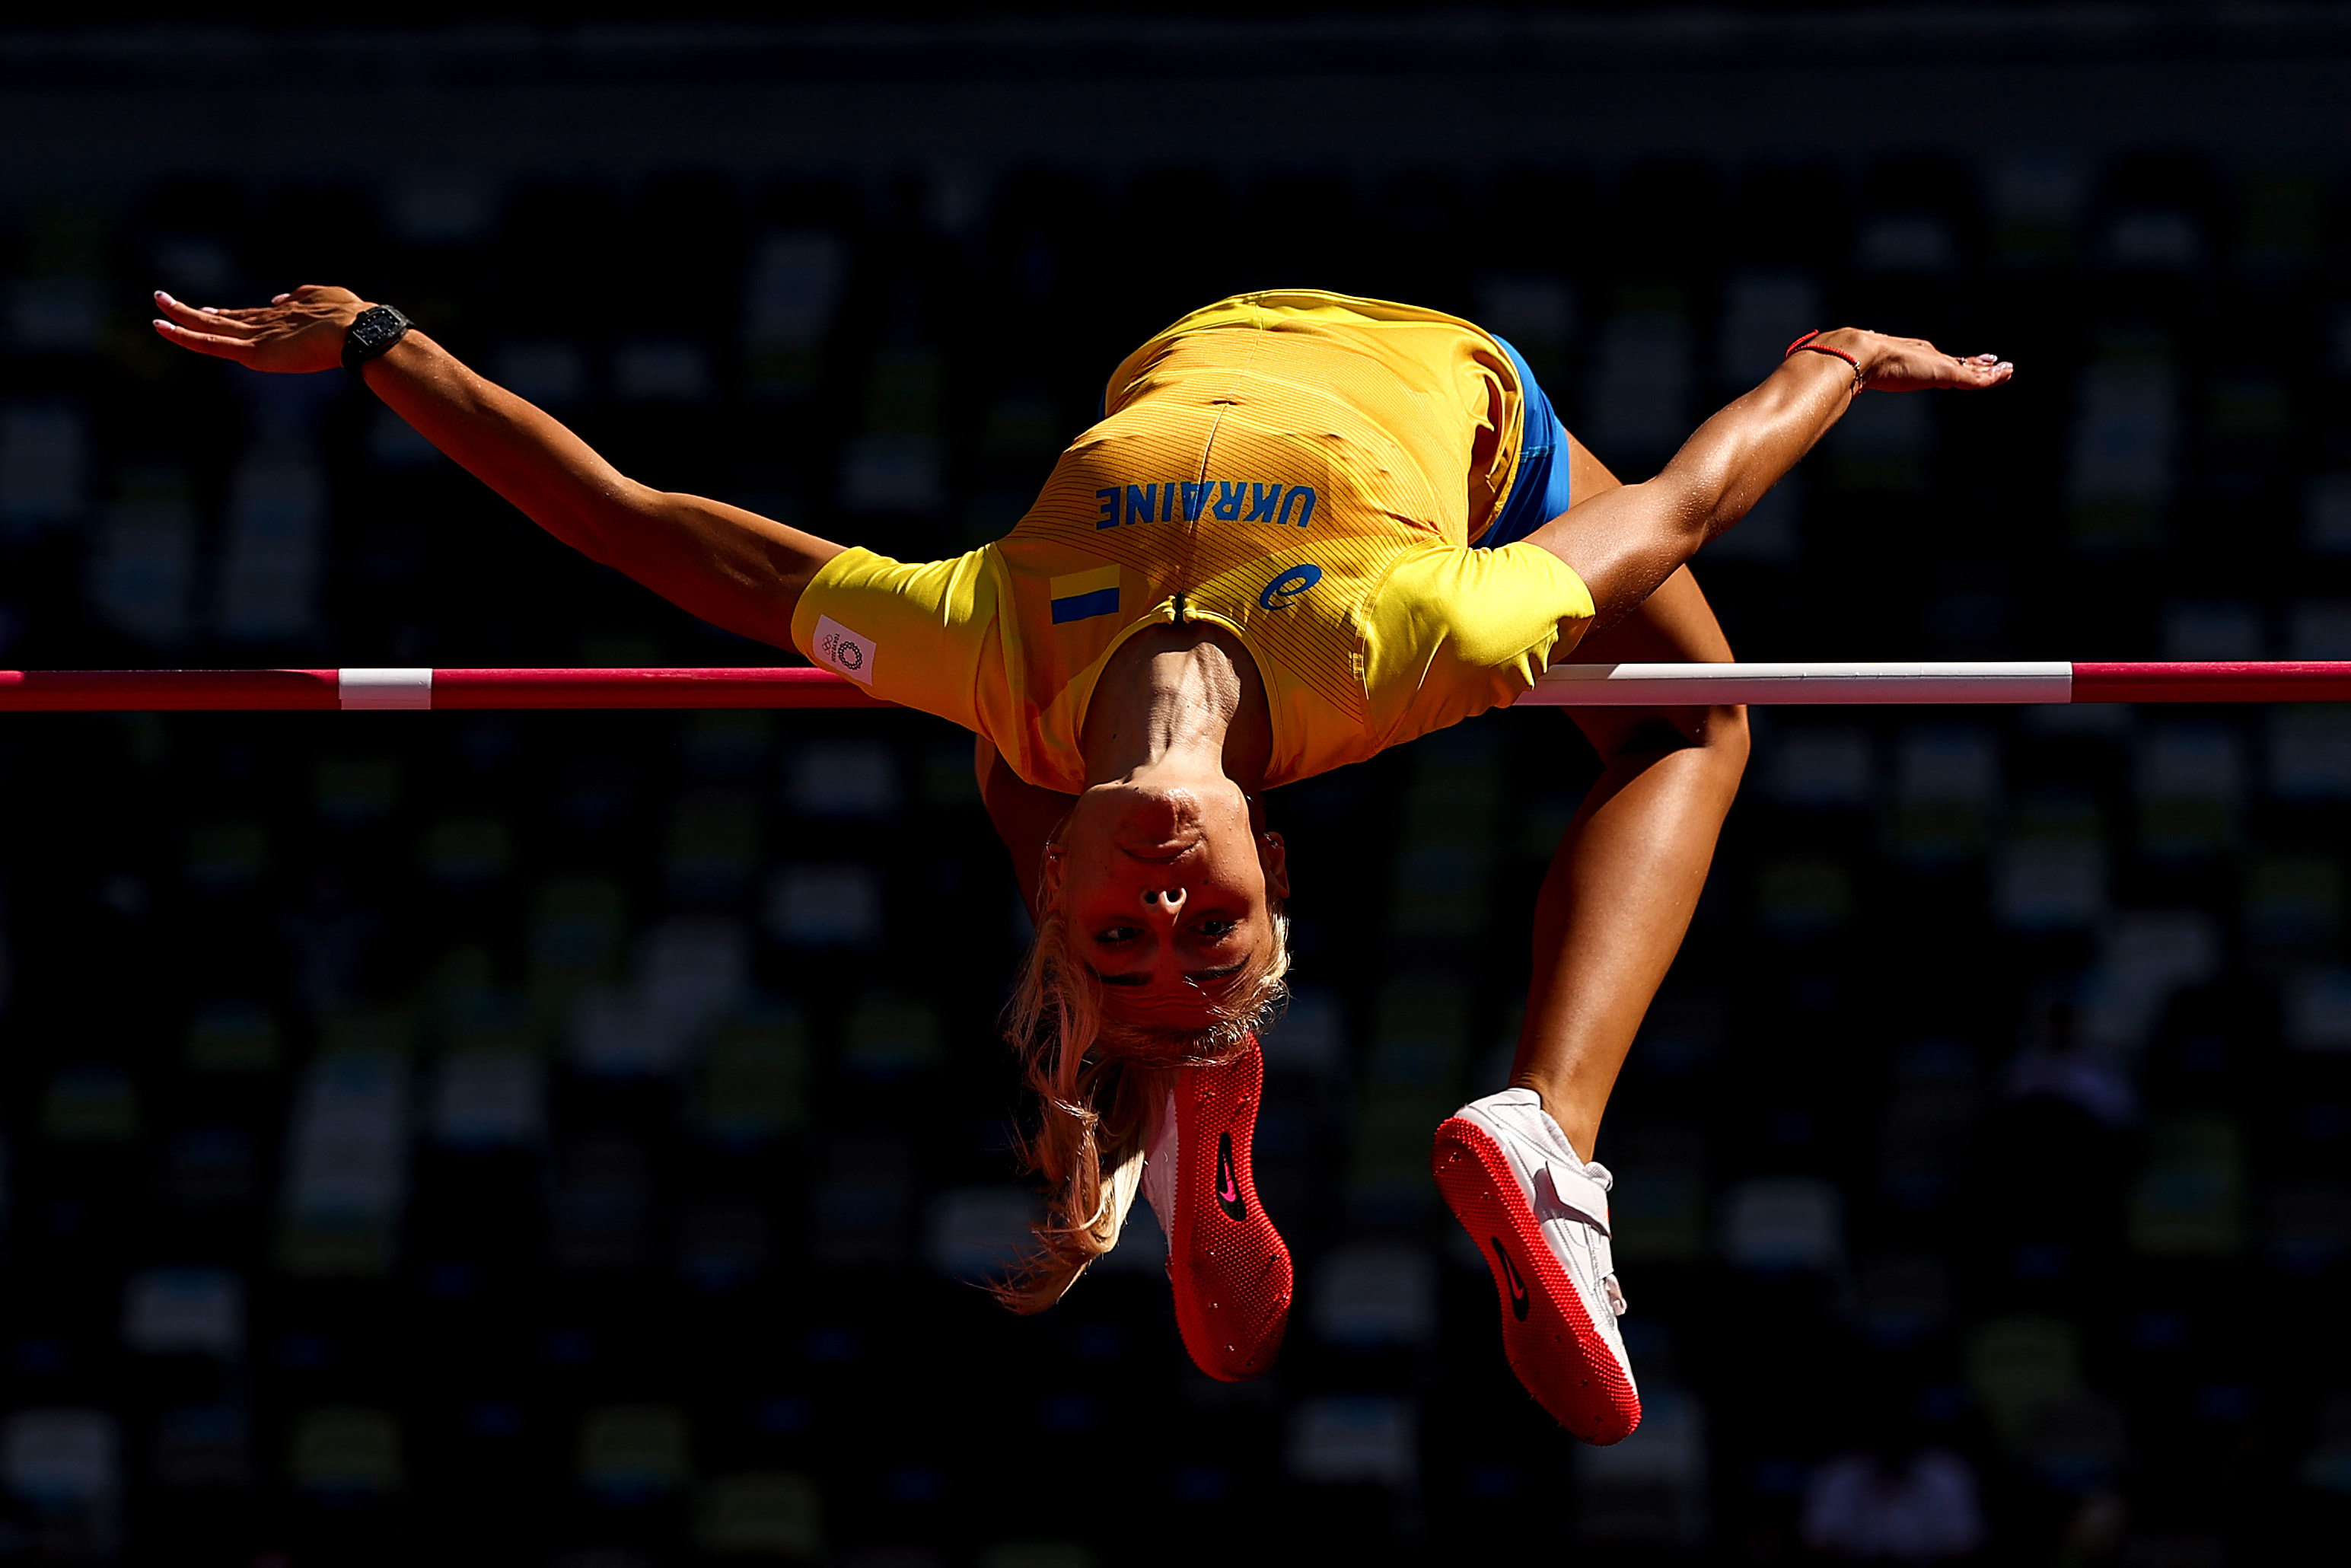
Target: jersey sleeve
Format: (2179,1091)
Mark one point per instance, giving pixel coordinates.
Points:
(916,634)
(1453,632)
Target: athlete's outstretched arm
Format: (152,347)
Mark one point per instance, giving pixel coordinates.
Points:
(1626,542)
(732,568)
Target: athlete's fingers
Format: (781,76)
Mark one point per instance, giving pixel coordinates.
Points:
(1930,367)
(202,342)
(1969,373)
(1973,374)
(220,348)
(1961,375)
(198,321)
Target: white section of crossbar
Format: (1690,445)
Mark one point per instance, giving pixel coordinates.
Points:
(382,689)
(1638,686)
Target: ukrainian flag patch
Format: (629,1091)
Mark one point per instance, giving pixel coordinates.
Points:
(1082,595)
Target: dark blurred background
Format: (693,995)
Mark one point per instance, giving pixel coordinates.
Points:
(566,1139)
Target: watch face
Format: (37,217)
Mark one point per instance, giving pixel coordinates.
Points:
(374,330)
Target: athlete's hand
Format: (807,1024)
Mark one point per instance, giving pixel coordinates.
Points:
(1914,365)
(293,334)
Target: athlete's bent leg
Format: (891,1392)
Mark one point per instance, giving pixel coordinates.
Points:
(1611,914)
(1627,874)
(1516,1167)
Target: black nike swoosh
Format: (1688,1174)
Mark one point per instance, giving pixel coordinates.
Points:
(1229,1191)
(1510,1275)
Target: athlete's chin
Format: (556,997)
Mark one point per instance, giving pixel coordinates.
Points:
(1168,1043)
(1190,1010)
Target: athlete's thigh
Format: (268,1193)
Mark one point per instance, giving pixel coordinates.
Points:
(1586,476)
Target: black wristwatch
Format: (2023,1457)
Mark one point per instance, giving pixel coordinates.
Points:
(374,330)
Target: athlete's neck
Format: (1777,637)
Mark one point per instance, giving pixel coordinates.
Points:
(1178,700)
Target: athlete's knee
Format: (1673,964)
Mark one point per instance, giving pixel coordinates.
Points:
(1719,734)
(1728,738)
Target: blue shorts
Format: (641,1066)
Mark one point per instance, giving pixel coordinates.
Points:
(1539,494)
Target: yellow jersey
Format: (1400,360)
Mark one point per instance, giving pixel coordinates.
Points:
(1302,469)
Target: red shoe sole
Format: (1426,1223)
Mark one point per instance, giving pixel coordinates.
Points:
(1547,1334)
(1227,1261)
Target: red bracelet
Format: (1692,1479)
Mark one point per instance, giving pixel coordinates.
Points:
(1804,345)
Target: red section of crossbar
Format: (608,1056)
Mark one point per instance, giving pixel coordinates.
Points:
(785,687)
(2273,681)
(134,691)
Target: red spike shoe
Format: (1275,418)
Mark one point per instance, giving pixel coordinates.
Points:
(1228,1263)
(1539,1213)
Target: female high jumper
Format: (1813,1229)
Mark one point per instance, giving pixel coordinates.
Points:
(1307,527)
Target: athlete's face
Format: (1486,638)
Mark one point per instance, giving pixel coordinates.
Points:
(1167,892)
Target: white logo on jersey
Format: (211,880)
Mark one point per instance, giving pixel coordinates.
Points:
(843,650)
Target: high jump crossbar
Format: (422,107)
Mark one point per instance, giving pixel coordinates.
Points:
(1562,685)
